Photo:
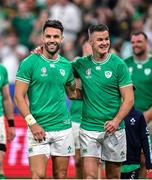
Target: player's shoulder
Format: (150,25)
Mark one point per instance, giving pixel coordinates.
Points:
(3,70)
(116,60)
(115,57)
(150,57)
(64,62)
(82,59)
(2,67)
(31,58)
(63,59)
(129,60)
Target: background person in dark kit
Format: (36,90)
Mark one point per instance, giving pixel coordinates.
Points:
(138,138)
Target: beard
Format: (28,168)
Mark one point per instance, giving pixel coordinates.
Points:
(139,53)
(52,51)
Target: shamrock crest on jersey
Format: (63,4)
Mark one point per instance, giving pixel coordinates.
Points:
(108,74)
(62,72)
(147,71)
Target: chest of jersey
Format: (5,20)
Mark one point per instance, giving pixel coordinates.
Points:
(54,73)
(141,73)
(98,76)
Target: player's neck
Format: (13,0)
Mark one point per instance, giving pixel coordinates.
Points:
(50,56)
(100,57)
(142,57)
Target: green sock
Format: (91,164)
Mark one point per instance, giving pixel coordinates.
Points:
(2,176)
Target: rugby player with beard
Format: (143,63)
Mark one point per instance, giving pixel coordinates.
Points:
(140,68)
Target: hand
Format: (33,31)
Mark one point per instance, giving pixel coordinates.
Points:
(38,50)
(111,126)
(149,171)
(11,134)
(79,94)
(78,83)
(38,132)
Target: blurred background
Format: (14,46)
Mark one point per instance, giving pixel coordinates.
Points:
(21,24)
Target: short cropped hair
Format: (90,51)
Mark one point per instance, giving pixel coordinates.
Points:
(136,33)
(53,24)
(97,28)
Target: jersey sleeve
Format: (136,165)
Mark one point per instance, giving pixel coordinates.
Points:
(70,79)
(24,71)
(75,65)
(4,76)
(124,78)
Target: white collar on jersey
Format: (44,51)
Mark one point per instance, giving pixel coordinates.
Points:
(143,61)
(101,62)
(51,60)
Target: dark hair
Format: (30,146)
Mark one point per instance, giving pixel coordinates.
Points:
(136,33)
(54,24)
(97,28)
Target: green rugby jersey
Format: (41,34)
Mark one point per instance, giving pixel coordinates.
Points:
(47,80)
(3,82)
(76,110)
(100,87)
(141,73)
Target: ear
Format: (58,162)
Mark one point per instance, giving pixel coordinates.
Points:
(90,41)
(42,38)
(62,38)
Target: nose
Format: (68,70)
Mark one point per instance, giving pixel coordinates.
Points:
(52,39)
(104,41)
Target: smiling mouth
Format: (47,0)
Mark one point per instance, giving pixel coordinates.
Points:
(137,48)
(51,45)
(103,48)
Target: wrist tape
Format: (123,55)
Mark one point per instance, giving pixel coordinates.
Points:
(11,122)
(30,119)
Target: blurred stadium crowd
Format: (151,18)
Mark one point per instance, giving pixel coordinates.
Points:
(21,24)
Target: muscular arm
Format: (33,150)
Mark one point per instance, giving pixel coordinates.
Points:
(73,91)
(20,101)
(128,101)
(7,103)
(148,115)
(8,109)
(19,97)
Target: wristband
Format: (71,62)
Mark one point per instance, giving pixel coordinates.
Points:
(11,122)
(30,119)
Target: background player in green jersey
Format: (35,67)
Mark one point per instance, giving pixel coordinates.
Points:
(44,79)
(76,111)
(140,67)
(107,99)
(6,107)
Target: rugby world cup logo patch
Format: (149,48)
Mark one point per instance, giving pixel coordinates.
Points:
(88,73)
(108,74)
(43,71)
(62,72)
